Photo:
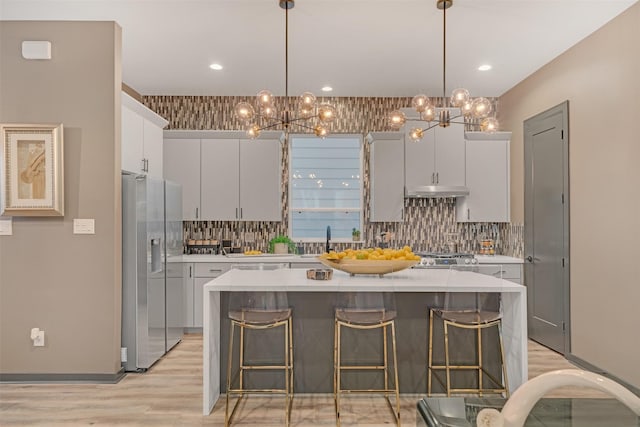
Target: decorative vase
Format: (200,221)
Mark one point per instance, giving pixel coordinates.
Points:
(280,248)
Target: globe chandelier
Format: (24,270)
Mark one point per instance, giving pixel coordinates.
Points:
(463,106)
(309,115)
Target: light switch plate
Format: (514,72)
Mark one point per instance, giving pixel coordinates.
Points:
(6,227)
(84,226)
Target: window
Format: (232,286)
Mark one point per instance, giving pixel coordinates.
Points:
(325,186)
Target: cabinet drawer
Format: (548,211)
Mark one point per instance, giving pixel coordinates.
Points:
(506,271)
(210,269)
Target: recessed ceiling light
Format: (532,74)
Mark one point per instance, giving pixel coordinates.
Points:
(484,67)
(216,67)
(327,89)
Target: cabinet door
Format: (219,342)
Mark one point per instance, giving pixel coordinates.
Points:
(132,141)
(450,155)
(260,186)
(487,168)
(153,148)
(187,296)
(181,164)
(220,186)
(419,157)
(386,164)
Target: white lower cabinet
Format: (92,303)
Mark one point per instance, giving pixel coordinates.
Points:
(510,272)
(197,275)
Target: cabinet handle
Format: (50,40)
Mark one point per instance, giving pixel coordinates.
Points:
(190,273)
(437,177)
(196,213)
(240,212)
(215,270)
(236,213)
(433,177)
(143,165)
(468,214)
(147,164)
(499,272)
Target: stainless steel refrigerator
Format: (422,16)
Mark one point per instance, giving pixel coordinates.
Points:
(151,298)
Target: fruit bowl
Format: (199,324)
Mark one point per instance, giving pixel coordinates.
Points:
(366,266)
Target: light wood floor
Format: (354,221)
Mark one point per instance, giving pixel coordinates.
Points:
(170,394)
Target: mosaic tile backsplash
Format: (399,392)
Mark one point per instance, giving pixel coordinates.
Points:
(429,224)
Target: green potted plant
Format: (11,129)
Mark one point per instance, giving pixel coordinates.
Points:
(282,245)
(355,234)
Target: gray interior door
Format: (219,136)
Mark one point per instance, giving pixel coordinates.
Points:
(547,227)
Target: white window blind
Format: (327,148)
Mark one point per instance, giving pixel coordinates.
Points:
(325,186)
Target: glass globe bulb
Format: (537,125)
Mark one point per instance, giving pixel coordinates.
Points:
(467,107)
(254,131)
(320,131)
(305,112)
(269,111)
(428,114)
(264,97)
(396,119)
(327,113)
(416,134)
(244,111)
(490,125)
(459,96)
(307,100)
(420,102)
(481,108)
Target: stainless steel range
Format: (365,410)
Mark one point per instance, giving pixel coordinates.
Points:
(444,260)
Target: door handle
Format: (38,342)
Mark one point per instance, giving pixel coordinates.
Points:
(529,258)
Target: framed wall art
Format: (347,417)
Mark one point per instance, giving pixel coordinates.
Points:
(32,170)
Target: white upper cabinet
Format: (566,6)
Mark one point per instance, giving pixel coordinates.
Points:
(437,159)
(142,137)
(487,171)
(181,164)
(220,184)
(260,180)
(224,177)
(386,171)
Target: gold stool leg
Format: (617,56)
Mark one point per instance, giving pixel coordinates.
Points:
(338,366)
(446,358)
(241,357)
(430,350)
(386,358)
(480,371)
(291,362)
(395,369)
(287,384)
(504,363)
(229,364)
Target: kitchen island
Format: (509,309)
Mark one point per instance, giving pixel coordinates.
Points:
(412,281)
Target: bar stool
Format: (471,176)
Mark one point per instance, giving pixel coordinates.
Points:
(477,311)
(366,311)
(259,311)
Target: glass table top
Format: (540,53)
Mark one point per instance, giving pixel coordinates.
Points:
(548,412)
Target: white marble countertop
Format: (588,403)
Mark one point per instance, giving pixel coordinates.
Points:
(410,280)
(240,258)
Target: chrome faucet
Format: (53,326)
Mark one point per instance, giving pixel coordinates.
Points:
(328,248)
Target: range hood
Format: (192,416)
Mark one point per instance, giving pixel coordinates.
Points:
(437,191)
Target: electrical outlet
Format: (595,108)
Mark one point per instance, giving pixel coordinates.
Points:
(38,341)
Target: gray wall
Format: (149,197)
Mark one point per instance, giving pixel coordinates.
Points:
(68,285)
(600,78)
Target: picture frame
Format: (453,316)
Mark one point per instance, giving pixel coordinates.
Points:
(32,170)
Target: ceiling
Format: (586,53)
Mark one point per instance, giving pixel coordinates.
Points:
(359,47)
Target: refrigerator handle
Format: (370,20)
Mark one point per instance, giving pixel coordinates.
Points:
(156,256)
